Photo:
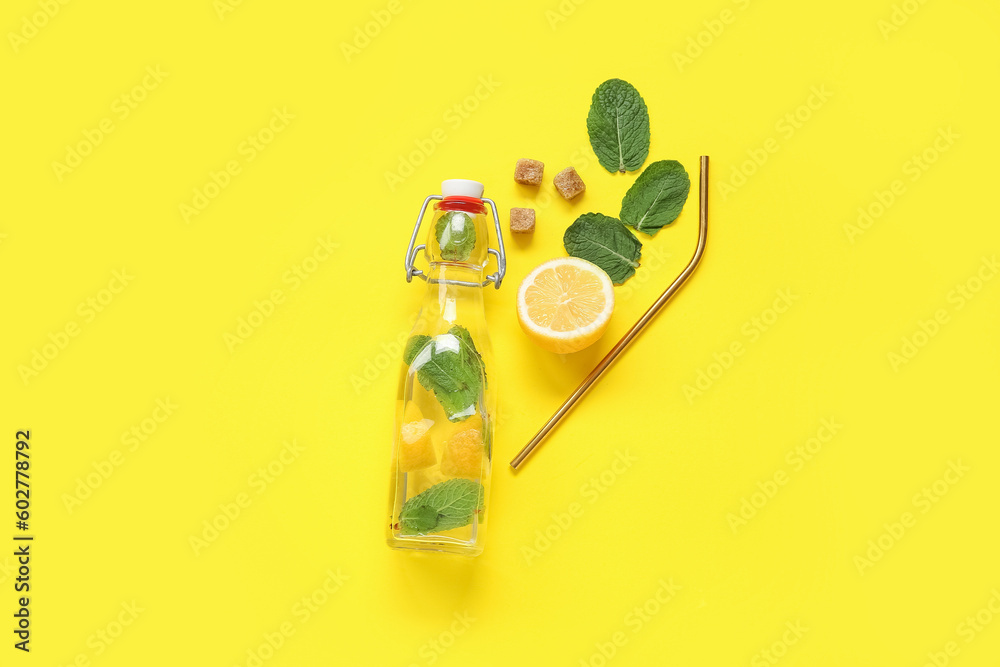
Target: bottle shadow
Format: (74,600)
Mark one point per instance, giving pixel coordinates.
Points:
(436,582)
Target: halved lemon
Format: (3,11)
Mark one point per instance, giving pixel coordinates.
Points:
(565,304)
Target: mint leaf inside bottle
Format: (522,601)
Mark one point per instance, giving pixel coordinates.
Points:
(450,366)
(450,504)
(456,236)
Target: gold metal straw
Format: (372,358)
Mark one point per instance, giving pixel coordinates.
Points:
(619,347)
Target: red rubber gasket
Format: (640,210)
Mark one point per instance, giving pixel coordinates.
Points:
(459,203)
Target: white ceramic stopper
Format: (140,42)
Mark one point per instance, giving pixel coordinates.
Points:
(461,187)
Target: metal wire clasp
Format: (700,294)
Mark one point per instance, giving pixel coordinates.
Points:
(412,250)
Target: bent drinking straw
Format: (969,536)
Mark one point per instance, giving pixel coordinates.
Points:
(620,346)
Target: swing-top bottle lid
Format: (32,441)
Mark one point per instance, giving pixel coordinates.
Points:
(461,187)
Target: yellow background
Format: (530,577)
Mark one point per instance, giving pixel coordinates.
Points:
(322,368)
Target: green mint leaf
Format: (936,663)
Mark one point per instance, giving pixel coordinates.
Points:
(456,235)
(606,242)
(453,369)
(413,347)
(450,504)
(472,355)
(657,197)
(417,519)
(618,125)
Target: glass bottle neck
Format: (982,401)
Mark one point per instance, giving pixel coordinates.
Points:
(454,273)
(454,293)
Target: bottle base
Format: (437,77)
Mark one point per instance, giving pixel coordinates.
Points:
(434,544)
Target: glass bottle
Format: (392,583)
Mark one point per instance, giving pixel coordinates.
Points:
(446,402)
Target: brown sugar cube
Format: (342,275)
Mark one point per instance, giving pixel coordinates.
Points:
(568,183)
(522,220)
(528,172)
